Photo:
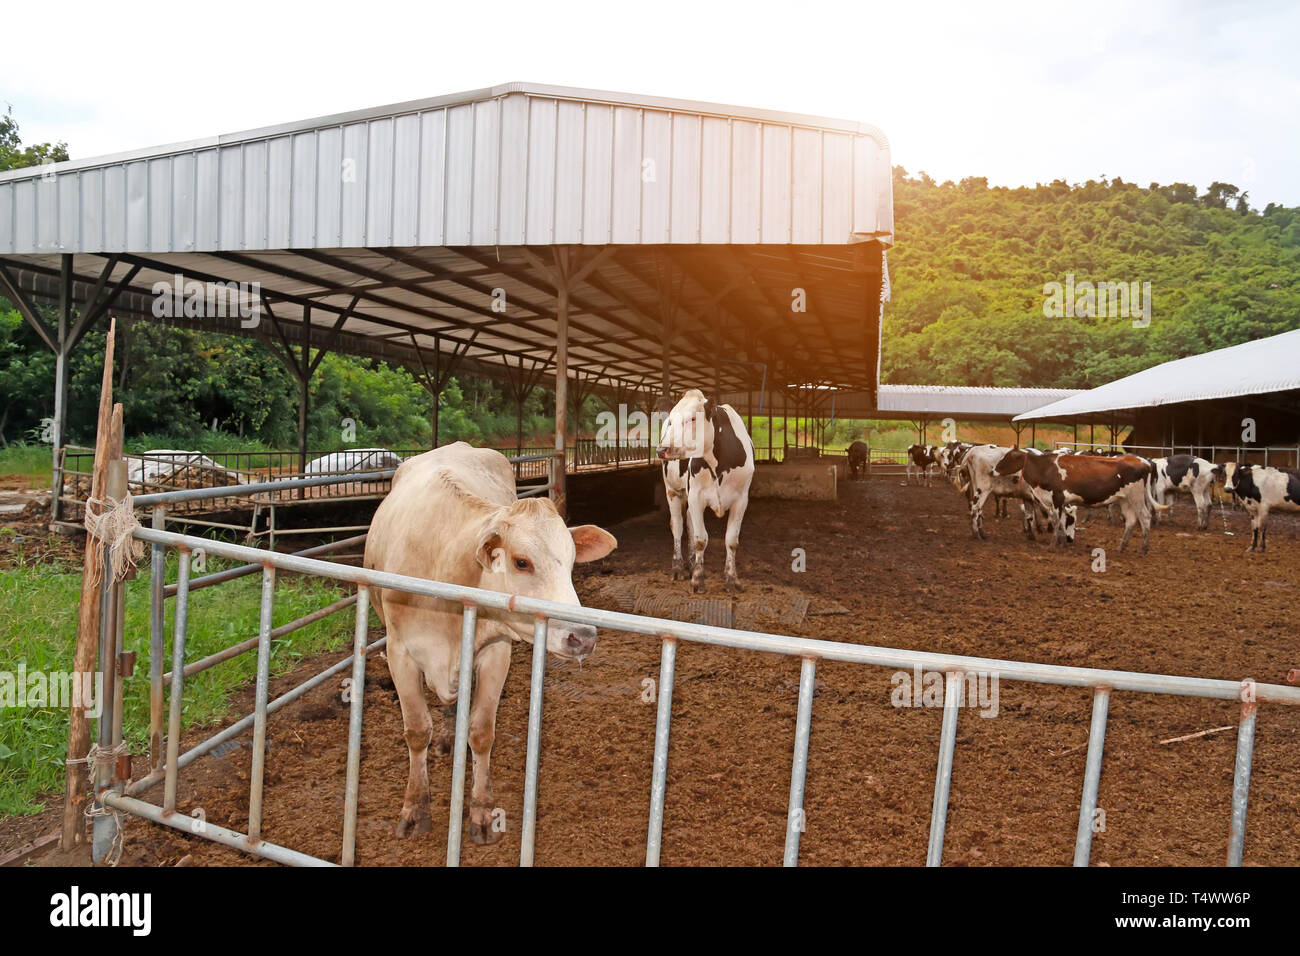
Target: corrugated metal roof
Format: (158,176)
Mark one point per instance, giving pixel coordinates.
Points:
(517,164)
(957,400)
(1253,368)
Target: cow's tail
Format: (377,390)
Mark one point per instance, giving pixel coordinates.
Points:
(964,477)
(1151,499)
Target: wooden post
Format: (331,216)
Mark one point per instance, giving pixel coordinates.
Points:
(83,661)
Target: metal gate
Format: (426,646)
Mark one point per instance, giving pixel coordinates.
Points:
(115,794)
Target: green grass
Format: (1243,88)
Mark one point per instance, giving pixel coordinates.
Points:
(38,617)
(35,462)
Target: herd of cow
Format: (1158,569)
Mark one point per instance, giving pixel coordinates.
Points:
(1051,485)
(453,515)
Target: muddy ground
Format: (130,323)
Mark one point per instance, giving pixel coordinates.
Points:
(902,561)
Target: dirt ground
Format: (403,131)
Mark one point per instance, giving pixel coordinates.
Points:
(903,562)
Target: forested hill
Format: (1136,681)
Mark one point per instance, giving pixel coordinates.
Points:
(970,263)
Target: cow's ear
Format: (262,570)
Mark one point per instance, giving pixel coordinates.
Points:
(592,542)
(490,554)
(710,406)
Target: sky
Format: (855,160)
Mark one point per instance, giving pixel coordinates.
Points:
(1017,92)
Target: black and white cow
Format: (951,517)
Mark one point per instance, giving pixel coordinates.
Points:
(950,456)
(1189,475)
(857,459)
(708,461)
(919,460)
(1261,489)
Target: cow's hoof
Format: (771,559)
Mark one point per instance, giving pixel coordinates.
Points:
(444,745)
(697,583)
(733,584)
(679,572)
(482,834)
(413,823)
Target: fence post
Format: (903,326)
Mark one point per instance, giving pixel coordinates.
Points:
(1091,775)
(1241,773)
(535,695)
(795,817)
(659,776)
(157,639)
(464,692)
(943,775)
(178,679)
(258,771)
(358,691)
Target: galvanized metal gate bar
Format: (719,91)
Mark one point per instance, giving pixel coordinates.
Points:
(1091,775)
(943,773)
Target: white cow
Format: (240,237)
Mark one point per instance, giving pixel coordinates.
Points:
(452,516)
(1261,489)
(1189,475)
(708,461)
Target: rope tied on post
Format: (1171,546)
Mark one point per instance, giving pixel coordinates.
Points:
(114,525)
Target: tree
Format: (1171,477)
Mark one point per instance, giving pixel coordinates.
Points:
(14,156)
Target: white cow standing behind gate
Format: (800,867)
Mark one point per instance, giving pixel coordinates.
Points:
(708,461)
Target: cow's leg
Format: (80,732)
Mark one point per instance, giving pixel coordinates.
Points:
(676,503)
(977,514)
(1259,529)
(699,539)
(418,730)
(734,517)
(1144,517)
(1203,503)
(491,664)
(1130,522)
(1027,519)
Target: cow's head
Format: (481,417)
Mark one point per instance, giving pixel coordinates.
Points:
(525,548)
(687,430)
(1238,479)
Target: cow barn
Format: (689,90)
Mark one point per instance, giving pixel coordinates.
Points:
(1243,400)
(642,246)
(625,246)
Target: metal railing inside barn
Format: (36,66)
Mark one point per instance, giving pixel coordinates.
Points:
(117,794)
(1276,456)
(169,471)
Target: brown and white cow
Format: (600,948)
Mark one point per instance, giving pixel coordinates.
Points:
(1061,480)
(452,516)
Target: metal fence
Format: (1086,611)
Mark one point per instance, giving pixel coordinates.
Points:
(114,792)
(183,469)
(1277,456)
